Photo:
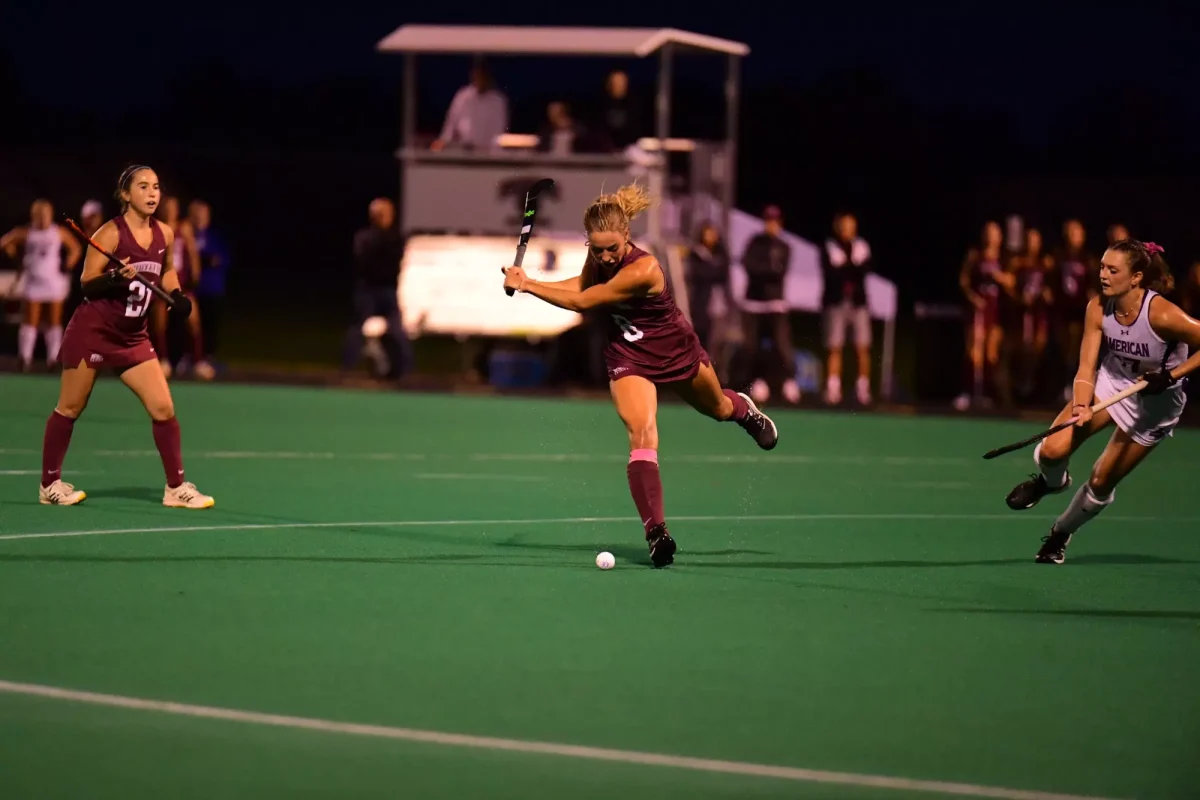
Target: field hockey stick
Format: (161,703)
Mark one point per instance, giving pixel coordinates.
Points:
(531,204)
(137,276)
(1103,404)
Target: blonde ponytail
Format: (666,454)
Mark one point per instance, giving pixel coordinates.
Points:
(614,212)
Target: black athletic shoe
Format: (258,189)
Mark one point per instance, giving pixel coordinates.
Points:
(662,546)
(758,425)
(1027,494)
(1054,548)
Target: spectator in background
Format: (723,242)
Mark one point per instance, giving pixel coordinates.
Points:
(981,278)
(91,217)
(168,331)
(707,271)
(1022,292)
(766,262)
(477,116)
(561,135)
(620,123)
(214,268)
(1076,280)
(845,262)
(1117,233)
(378,251)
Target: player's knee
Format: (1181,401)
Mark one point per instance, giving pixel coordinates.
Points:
(70,409)
(1101,482)
(643,437)
(1056,448)
(160,410)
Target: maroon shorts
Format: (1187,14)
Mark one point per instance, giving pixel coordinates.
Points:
(683,369)
(82,341)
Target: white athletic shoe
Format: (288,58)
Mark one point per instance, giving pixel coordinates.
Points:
(833,390)
(863,389)
(60,493)
(185,495)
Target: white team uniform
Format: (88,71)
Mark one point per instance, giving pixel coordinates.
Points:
(41,268)
(1130,351)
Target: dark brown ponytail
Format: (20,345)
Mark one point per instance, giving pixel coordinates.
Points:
(1146,258)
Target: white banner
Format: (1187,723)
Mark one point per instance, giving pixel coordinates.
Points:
(453,285)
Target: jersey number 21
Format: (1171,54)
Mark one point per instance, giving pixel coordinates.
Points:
(138,300)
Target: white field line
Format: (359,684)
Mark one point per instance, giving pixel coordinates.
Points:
(550,458)
(267,526)
(530,747)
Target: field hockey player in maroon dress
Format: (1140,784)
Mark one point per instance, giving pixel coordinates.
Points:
(109,331)
(649,344)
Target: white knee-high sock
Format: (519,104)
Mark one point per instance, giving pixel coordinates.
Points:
(1084,507)
(1054,473)
(54,336)
(26,341)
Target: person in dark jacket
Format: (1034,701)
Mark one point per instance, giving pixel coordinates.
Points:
(708,271)
(766,261)
(378,250)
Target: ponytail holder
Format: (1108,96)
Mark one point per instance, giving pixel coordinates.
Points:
(1153,248)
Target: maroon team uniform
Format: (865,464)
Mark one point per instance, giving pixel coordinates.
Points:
(649,336)
(112,331)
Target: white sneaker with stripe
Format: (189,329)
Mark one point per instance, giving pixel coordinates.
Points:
(60,493)
(185,495)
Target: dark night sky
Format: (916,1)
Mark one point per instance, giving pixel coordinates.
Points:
(965,110)
(1015,55)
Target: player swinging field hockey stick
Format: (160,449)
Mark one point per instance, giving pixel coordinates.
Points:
(1144,337)
(650,345)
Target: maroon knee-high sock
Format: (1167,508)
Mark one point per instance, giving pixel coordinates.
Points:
(54,446)
(167,440)
(646,487)
(740,407)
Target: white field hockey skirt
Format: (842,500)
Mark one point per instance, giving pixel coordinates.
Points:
(1146,419)
(54,288)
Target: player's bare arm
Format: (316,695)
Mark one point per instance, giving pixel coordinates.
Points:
(964,281)
(97,278)
(170,278)
(642,278)
(10,241)
(189,244)
(74,251)
(1084,388)
(1171,323)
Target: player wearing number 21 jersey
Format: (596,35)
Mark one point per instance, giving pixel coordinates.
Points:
(650,344)
(109,331)
(1131,333)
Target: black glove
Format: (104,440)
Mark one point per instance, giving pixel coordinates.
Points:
(180,304)
(104,284)
(1157,382)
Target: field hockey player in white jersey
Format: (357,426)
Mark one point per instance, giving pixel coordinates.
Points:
(1132,333)
(45,277)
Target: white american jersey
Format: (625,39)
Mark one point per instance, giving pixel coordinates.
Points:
(1130,351)
(43,253)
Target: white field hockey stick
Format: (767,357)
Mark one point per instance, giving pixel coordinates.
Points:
(1103,404)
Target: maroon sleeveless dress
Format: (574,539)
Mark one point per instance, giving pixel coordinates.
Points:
(112,331)
(648,336)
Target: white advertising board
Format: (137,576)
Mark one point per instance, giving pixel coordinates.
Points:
(452,285)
